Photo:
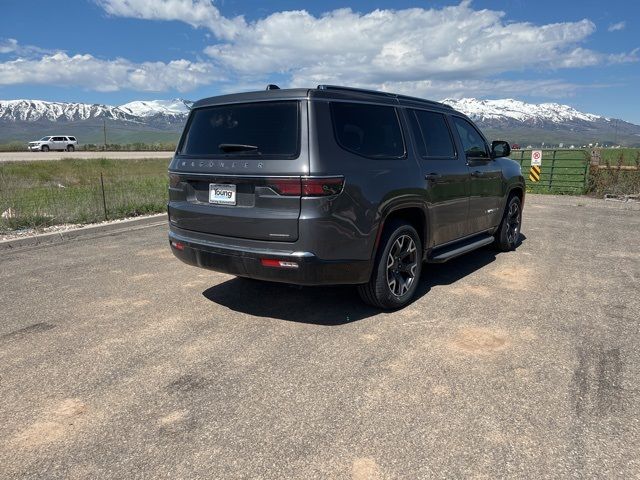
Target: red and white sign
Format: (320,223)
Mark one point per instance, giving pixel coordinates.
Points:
(536,158)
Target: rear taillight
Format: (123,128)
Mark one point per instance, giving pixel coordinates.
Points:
(286,186)
(174,180)
(307,186)
(177,245)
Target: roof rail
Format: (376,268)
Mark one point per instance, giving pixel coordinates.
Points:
(382,94)
(353,89)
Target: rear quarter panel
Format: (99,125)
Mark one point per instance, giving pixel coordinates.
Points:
(346,226)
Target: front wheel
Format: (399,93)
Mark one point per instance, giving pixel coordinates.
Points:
(396,270)
(45,148)
(508,232)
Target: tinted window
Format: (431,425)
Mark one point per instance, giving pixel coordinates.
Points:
(73,139)
(472,141)
(58,139)
(368,130)
(432,134)
(271,127)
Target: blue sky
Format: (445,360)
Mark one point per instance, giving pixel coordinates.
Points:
(583,53)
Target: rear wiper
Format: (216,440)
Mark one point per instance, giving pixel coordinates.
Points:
(236,147)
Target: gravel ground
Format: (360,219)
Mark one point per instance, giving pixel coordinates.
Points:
(117,361)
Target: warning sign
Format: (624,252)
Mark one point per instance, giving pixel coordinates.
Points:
(534,172)
(536,157)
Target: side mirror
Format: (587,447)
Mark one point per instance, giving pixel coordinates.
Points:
(500,148)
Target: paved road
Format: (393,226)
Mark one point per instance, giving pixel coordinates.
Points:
(30,156)
(116,361)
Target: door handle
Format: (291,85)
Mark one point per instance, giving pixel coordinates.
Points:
(432,177)
(477,173)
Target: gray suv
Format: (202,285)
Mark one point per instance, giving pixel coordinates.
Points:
(336,185)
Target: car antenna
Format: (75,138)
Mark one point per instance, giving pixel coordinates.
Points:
(273,86)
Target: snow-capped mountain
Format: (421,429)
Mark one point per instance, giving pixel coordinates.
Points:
(162,120)
(508,108)
(33,110)
(552,123)
(176,107)
(139,121)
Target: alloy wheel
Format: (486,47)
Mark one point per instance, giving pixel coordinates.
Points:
(402,262)
(513,223)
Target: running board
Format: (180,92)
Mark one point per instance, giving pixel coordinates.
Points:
(444,254)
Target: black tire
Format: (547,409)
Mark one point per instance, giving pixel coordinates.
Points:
(44,148)
(386,288)
(70,148)
(508,234)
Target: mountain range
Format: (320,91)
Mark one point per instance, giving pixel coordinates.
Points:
(162,121)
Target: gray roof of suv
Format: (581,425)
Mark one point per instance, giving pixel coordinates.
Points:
(322,92)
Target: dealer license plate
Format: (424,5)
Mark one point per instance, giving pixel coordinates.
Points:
(222,194)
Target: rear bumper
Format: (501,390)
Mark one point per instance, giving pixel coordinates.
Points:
(223,256)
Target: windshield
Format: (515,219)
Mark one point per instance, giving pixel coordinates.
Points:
(44,139)
(254,130)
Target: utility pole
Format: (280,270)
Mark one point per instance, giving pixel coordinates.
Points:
(104,130)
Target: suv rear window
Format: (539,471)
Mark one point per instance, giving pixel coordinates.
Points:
(369,130)
(271,127)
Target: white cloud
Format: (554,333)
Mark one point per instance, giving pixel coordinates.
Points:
(93,73)
(416,44)
(9,45)
(197,13)
(435,52)
(614,27)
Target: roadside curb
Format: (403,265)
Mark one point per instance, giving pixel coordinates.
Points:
(86,231)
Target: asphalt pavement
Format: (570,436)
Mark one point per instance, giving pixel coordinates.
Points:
(117,361)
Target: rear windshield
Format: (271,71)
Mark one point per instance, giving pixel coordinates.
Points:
(254,130)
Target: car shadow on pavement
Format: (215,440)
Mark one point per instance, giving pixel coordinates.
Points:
(335,305)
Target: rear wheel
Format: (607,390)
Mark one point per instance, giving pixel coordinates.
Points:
(508,232)
(70,148)
(45,148)
(396,270)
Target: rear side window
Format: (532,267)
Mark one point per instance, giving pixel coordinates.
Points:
(369,130)
(432,134)
(257,130)
(473,143)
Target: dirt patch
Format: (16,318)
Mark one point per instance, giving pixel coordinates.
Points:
(480,341)
(54,425)
(479,290)
(441,390)
(513,277)
(365,469)
(142,276)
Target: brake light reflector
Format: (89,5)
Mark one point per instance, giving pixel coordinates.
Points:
(177,245)
(273,262)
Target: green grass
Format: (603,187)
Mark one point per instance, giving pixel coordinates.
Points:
(39,194)
(620,156)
